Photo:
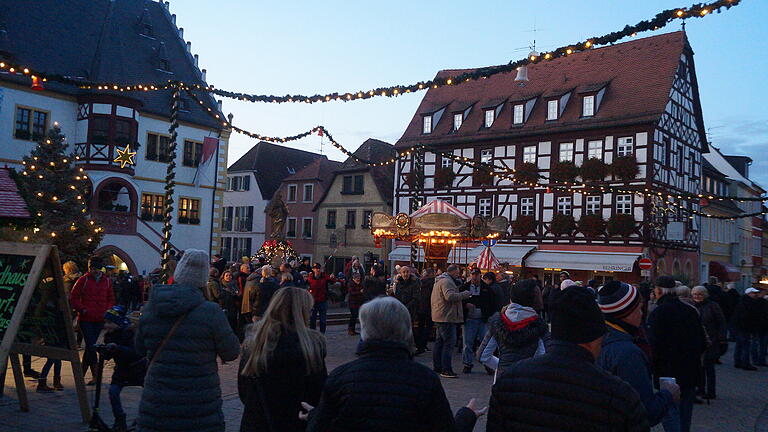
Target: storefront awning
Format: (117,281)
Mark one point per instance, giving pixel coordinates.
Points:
(511,254)
(725,272)
(573,260)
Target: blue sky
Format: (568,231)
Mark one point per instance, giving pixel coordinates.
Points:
(317,47)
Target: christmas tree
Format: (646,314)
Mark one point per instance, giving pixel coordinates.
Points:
(55,191)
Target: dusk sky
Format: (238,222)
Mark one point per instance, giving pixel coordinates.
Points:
(320,47)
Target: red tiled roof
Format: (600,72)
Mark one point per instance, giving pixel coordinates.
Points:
(638,73)
(12,205)
(321,169)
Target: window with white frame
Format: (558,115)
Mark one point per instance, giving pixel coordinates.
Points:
(427,125)
(552,110)
(588,106)
(290,227)
(484,207)
(593,204)
(490,116)
(624,146)
(292,188)
(595,150)
(529,154)
(518,114)
(566,152)
(309,190)
(564,205)
(486,156)
(458,119)
(624,204)
(306,228)
(526,206)
(446,162)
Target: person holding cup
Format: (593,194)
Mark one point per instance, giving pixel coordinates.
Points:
(622,306)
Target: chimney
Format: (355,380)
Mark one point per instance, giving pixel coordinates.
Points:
(189,46)
(204,72)
(173,19)
(197,60)
(167,5)
(218,103)
(181,33)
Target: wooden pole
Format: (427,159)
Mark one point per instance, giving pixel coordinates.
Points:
(170,181)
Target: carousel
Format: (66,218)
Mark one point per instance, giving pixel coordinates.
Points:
(442,231)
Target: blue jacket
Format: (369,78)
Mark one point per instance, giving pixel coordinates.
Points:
(182,390)
(622,358)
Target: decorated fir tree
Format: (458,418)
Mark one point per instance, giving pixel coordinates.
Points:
(55,190)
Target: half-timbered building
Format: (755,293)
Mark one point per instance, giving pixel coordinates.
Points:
(623,118)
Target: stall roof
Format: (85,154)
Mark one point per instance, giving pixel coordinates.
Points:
(511,254)
(574,260)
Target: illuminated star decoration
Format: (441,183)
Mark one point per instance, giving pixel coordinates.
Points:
(125,156)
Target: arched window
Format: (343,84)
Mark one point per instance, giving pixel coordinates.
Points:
(661,267)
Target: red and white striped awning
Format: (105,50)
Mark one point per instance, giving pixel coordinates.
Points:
(439,206)
(487,260)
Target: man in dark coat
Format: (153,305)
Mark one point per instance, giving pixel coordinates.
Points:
(563,390)
(481,304)
(407,287)
(424,311)
(621,304)
(384,389)
(747,322)
(678,341)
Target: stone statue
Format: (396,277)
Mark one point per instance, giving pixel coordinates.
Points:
(278,212)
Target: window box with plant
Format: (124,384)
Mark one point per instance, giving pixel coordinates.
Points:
(524,225)
(563,224)
(183,220)
(594,169)
(158,217)
(444,177)
(621,224)
(592,225)
(625,168)
(146,216)
(527,172)
(564,172)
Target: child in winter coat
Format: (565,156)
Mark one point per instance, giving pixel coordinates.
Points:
(130,367)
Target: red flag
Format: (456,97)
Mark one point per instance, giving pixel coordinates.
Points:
(210,144)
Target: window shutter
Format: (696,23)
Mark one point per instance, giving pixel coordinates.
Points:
(359,184)
(249,225)
(247,182)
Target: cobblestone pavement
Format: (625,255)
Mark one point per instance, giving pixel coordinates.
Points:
(742,405)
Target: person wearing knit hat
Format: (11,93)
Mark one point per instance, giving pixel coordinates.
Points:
(130,367)
(578,395)
(621,305)
(193,269)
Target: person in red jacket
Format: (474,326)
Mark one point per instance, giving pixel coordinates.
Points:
(318,287)
(92,295)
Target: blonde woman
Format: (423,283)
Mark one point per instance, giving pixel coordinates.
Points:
(282,364)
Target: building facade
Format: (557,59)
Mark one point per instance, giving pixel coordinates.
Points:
(301,192)
(120,42)
(251,183)
(602,114)
(343,212)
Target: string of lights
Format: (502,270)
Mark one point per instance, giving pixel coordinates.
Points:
(659,21)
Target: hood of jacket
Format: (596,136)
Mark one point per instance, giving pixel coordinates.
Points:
(174,300)
(524,335)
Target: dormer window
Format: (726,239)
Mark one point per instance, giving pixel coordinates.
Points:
(458,119)
(518,114)
(490,116)
(588,106)
(427,124)
(552,109)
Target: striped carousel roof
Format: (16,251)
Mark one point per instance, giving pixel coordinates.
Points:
(440,206)
(487,260)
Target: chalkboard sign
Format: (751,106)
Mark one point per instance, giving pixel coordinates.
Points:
(35,316)
(14,272)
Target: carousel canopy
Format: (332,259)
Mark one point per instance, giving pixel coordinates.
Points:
(439,206)
(487,260)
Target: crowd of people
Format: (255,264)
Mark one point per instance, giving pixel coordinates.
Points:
(612,356)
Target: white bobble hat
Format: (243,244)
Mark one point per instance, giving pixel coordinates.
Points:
(193,269)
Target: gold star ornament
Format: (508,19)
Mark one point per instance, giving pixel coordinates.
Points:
(125,156)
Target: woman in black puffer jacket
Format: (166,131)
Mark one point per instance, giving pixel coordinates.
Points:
(516,331)
(384,389)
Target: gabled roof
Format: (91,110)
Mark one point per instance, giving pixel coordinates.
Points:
(271,163)
(721,164)
(101,40)
(320,169)
(383,176)
(12,205)
(639,76)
